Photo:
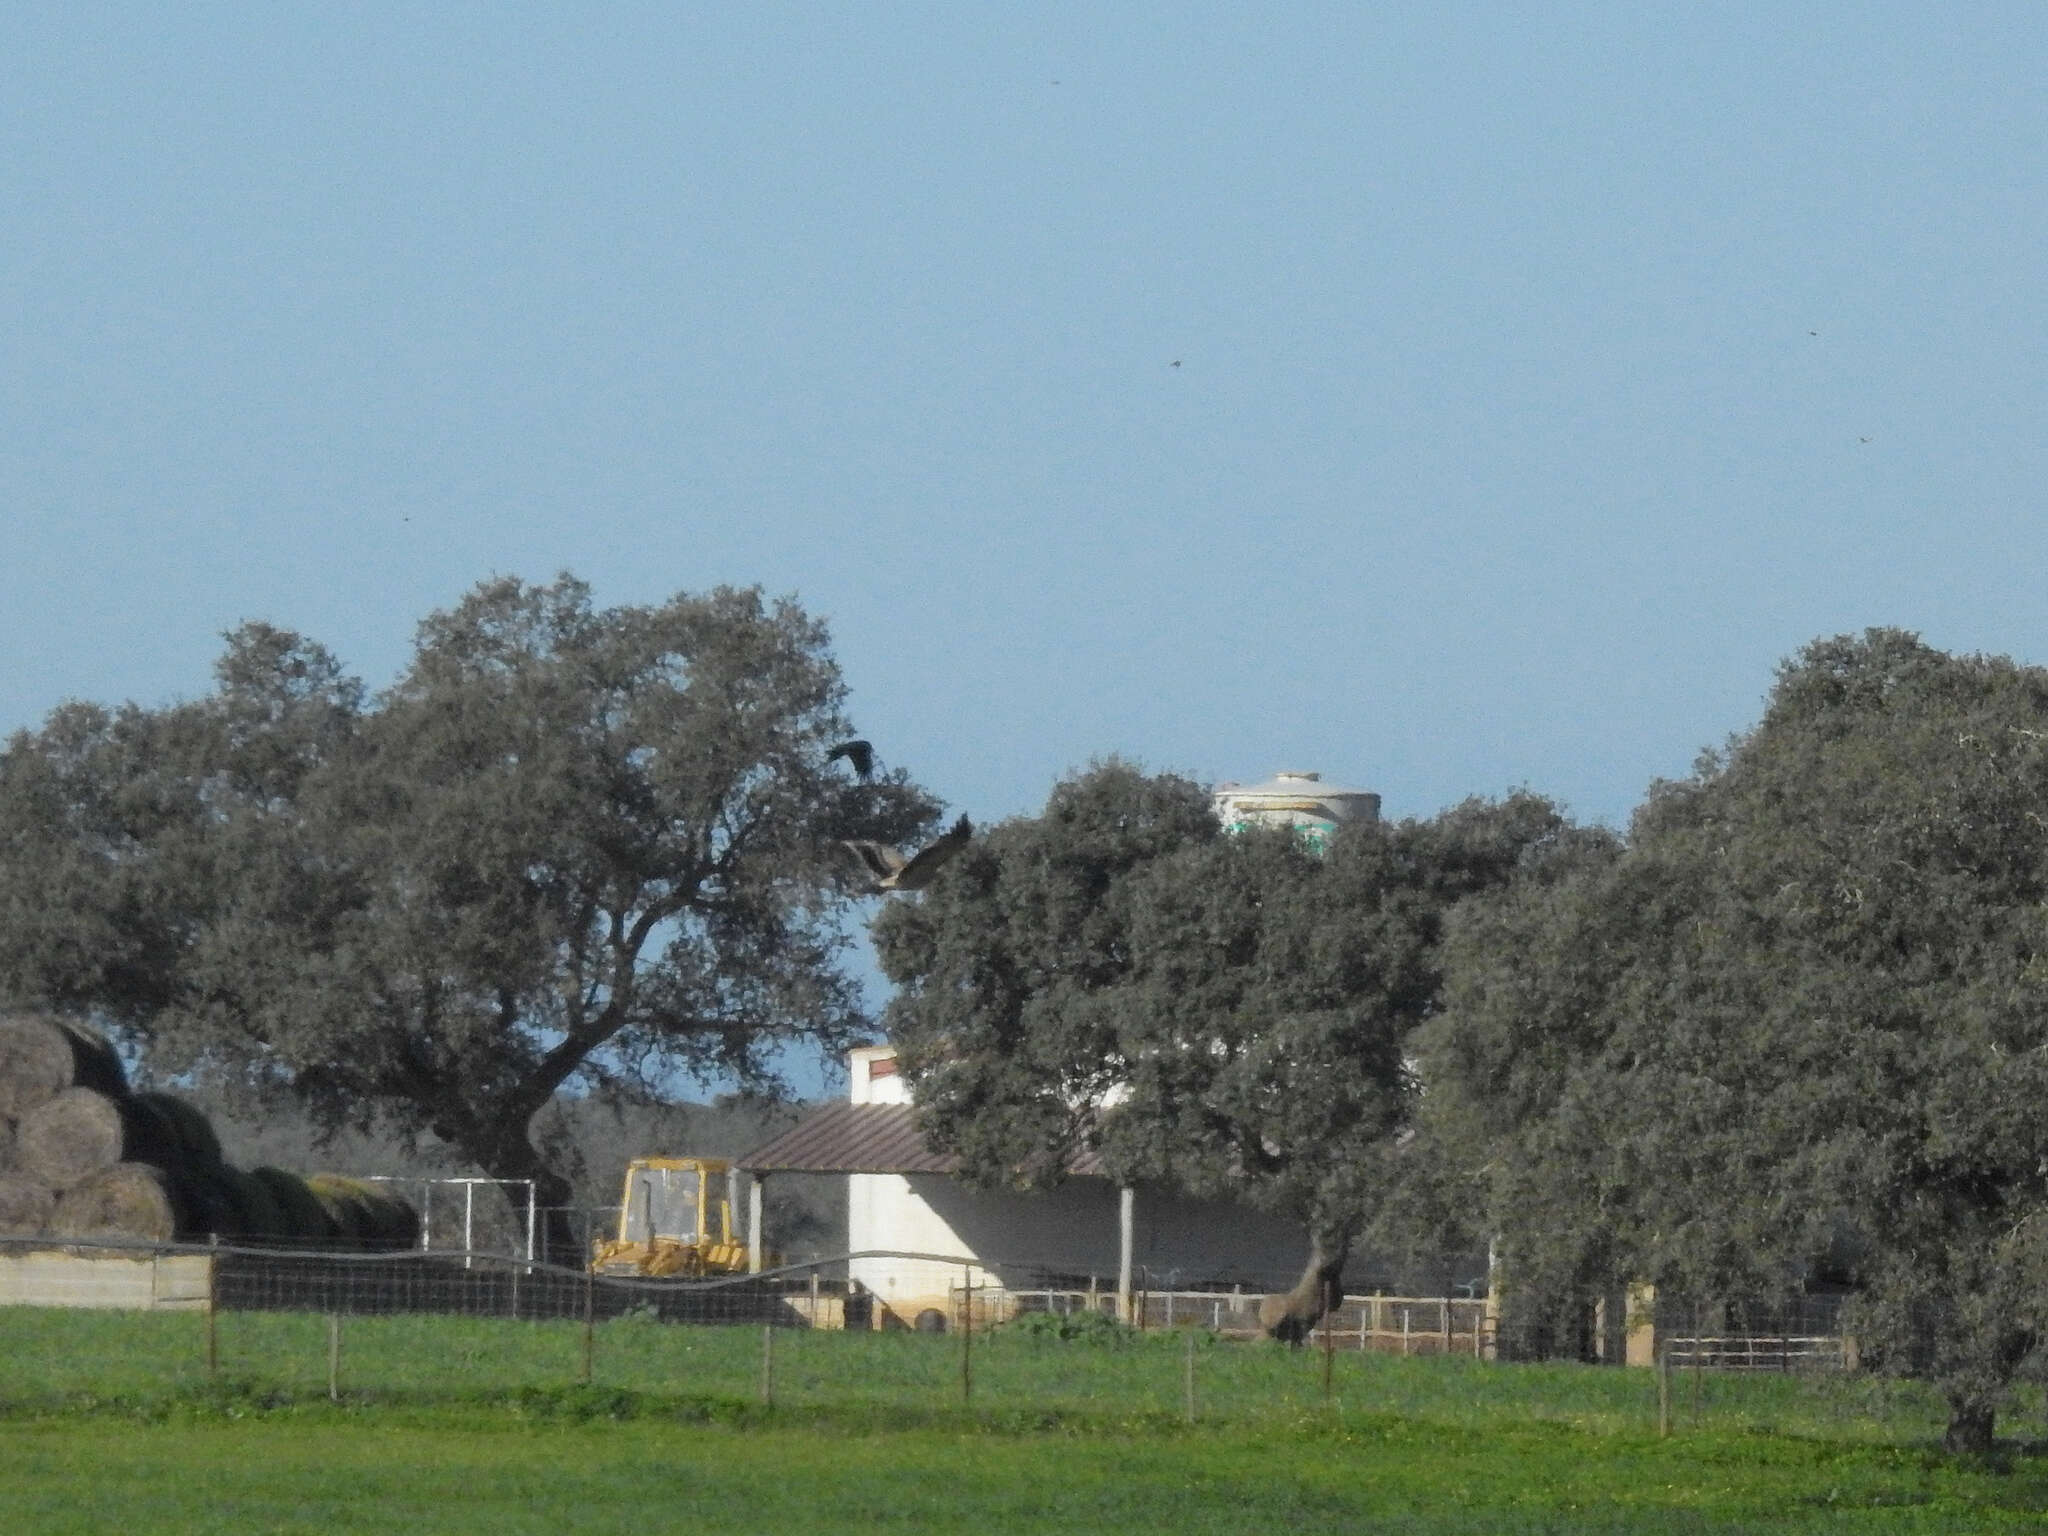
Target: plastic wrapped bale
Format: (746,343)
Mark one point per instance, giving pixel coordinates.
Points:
(128,1200)
(80,1132)
(41,1056)
(365,1214)
(25,1205)
(301,1216)
(257,1215)
(205,1204)
(193,1140)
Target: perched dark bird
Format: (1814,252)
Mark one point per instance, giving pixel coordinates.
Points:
(859,753)
(893,872)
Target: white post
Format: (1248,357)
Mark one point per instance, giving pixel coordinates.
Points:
(1126,1206)
(468,1222)
(530,1214)
(754,1224)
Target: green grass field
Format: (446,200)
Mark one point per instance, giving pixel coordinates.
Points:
(112,1422)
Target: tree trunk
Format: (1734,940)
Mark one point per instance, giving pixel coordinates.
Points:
(558,1238)
(1290,1315)
(1969,1429)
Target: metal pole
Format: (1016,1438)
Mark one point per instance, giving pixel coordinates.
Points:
(767,1364)
(1126,1208)
(1190,1377)
(530,1213)
(468,1223)
(1664,1392)
(334,1357)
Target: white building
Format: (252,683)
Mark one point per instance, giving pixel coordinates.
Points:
(925,1232)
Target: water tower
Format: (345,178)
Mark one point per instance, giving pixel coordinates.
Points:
(1294,799)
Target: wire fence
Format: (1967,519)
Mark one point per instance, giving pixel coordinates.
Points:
(426,1323)
(875,1291)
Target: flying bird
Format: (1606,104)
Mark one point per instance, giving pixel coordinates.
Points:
(893,872)
(859,753)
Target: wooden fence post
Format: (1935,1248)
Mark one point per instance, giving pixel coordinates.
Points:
(1664,1392)
(966,1337)
(213,1307)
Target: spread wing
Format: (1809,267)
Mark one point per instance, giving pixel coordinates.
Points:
(917,874)
(860,754)
(882,861)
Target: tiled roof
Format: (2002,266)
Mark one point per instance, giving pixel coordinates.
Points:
(862,1138)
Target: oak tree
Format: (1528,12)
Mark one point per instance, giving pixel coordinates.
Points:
(1800,1024)
(569,846)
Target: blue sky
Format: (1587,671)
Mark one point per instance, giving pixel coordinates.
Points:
(1545,374)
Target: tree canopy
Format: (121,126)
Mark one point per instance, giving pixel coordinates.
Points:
(1798,1026)
(568,845)
(1223,1013)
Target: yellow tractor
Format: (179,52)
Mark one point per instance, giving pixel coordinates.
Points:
(674,1220)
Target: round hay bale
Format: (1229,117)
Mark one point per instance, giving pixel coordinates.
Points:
(80,1132)
(40,1057)
(347,1216)
(193,1140)
(301,1216)
(127,1200)
(257,1215)
(205,1205)
(25,1206)
(366,1214)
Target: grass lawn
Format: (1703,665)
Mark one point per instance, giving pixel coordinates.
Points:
(109,1422)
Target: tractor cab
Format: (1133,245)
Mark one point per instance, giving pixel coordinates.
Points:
(674,1219)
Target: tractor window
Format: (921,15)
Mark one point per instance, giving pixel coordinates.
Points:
(664,1203)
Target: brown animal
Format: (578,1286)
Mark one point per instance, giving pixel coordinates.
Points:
(1290,1315)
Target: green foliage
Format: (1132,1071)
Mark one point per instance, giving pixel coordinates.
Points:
(1098,1329)
(569,846)
(1116,978)
(1799,1027)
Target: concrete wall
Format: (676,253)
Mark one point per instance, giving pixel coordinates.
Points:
(173,1282)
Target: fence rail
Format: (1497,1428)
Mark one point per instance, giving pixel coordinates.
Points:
(1759,1352)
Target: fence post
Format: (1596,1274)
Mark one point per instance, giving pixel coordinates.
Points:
(767,1365)
(1698,1322)
(589,1305)
(213,1306)
(334,1357)
(966,1337)
(1664,1392)
(1329,1335)
(1190,1377)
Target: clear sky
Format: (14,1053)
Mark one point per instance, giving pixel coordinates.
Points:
(1447,398)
